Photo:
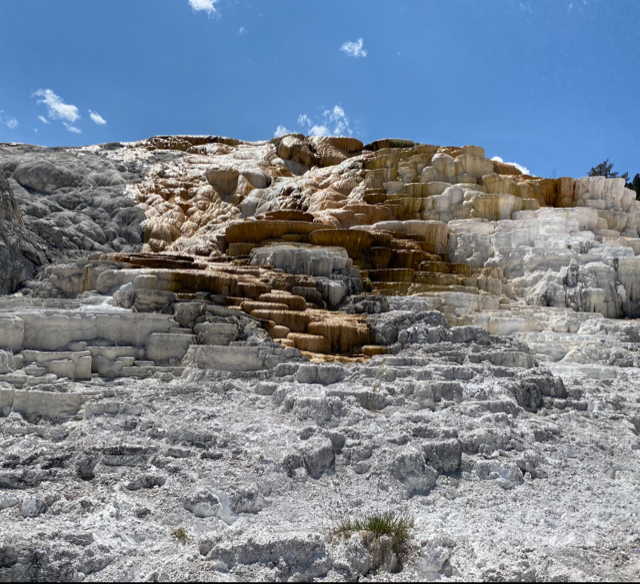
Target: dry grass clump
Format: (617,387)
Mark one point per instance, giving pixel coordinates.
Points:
(388,526)
(180,535)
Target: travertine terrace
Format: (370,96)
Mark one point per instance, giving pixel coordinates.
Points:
(210,350)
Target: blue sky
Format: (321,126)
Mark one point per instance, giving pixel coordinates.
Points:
(551,84)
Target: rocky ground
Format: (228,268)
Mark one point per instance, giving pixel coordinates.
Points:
(508,472)
(317,332)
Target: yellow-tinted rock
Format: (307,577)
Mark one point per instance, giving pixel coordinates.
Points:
(310,342)
(353,240)
(250,305)
(294,147)
(224,180)
(238,249)
(499,185)
(344,332)
(334,150)
(160,230)
(531,190)
(259,231)
(504,168)
(374,198)
(434,232)
(292,301)
(462,269)
(496,207)
(392,288)
(430,266)
(475,166)
(379,257)
(565,188)
(437,279)
(371,350)
(294,320)
(407,258)
(391,275)
(549,191)
(279,332)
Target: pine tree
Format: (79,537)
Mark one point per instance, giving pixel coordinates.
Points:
(634,185)
(606,169)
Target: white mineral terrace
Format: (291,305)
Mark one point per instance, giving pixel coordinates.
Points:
(213,353)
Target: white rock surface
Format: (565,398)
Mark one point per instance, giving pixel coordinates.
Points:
(507,472)
(148,433)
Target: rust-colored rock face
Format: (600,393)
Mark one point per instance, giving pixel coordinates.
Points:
(353,241)
(310,343)
(292,301)
(286,230)
(342,333)
(259,231)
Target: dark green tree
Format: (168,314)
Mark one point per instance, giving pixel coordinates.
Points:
(634,185)
(606,169)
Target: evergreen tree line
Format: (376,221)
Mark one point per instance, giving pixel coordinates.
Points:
(606,169)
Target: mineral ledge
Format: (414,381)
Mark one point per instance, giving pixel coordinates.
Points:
(212,350)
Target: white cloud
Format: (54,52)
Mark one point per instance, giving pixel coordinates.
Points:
(56,108)
(206,5)
(43,119)
(570,8)
(242,30)
(280,131)
(332,122)
(72,129)
(522,169)
(338,119)
(11,123)
(354,49)
(303,120)
(97,118)
(319,131)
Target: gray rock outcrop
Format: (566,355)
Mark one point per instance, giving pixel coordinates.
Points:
(20,255)
(70,203)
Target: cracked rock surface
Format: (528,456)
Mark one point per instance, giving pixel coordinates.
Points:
(509,472)
(215,354)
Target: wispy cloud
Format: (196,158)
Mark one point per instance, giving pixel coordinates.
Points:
(280,131)
(522,169)
(72,129)
(97,118)
(570,8)
(338,120)
(331,122)
(10,122)
(207,6)
(43,119)
(354,49)
(242,31)
(303,120)
(56,108)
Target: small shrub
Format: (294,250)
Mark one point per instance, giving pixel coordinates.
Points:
(396,526)
(180,535)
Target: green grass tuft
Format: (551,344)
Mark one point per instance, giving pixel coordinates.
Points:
(180,535)
(390,523)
